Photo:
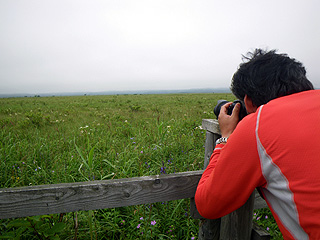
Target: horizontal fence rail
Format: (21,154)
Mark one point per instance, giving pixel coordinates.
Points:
(70,197)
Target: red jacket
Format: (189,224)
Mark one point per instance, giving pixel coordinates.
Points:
(277,149)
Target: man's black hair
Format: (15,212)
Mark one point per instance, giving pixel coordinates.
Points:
(266,75)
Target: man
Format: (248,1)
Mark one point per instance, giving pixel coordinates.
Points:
(276,147)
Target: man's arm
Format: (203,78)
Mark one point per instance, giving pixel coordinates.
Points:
(232,174)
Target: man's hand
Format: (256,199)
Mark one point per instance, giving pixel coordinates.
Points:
(228,123)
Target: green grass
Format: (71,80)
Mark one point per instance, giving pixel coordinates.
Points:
(265,219)
(70,139)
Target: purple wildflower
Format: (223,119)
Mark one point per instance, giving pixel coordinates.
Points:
(163,169)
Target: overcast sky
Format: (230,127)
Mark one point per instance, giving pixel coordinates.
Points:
(51,46)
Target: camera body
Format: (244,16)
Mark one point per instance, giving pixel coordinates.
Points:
(242,112)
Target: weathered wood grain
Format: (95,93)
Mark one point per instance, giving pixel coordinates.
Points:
(209,145)
(211,125)
(69,197)
(238,224)
(258,233)
(209,229)
(259,202)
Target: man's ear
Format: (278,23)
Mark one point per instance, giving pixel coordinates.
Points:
(251,108)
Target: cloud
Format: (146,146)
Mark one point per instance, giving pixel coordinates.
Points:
(111,45)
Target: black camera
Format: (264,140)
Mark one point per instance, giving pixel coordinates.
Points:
(242,113)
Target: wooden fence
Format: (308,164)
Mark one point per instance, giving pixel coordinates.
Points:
(70,197)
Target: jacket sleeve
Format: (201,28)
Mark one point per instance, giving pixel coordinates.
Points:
(232,174)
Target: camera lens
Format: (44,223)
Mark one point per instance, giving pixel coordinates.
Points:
(217,108)
(242,113)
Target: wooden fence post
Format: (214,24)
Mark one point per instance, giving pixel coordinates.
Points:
(236,225)
(209,229)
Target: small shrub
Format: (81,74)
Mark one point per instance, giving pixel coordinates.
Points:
(135,108)
(36,118)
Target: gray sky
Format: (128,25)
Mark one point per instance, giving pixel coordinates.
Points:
(100,45)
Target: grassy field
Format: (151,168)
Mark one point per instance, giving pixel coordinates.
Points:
(48,140)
